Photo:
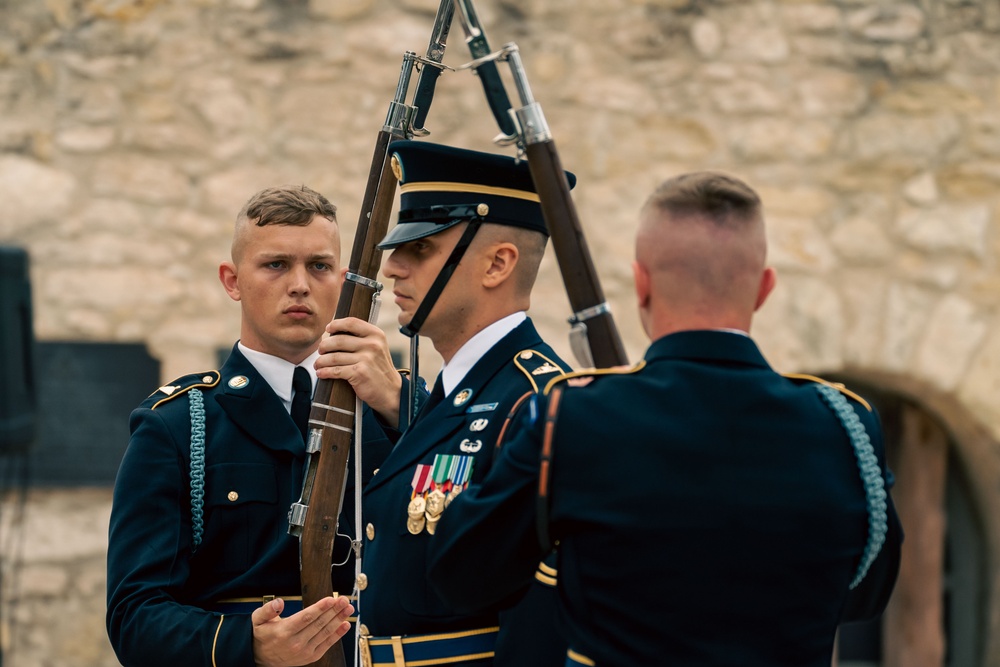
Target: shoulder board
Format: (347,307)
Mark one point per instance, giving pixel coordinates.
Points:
(584,377)
(181,386)
(536,365)
(836,385)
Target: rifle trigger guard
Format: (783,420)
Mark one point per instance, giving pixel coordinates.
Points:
(590,313)
(364,282)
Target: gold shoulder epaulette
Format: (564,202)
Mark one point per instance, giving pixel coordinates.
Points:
(534,365)
(836,385)
(182,385)
(585,376)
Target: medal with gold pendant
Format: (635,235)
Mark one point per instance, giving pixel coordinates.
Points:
(416,508)
(434,507)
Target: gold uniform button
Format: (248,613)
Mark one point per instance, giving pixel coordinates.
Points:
(370,531)
(362,581)
(233,496)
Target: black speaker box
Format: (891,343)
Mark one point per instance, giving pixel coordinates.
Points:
(18,395)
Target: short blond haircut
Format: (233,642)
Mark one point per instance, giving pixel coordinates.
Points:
(283,205)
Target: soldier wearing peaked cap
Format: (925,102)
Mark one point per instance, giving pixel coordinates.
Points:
(752,509)
(199,541)
(464,257)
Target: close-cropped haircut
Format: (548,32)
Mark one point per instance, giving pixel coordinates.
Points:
(531,248)
(286,205)
(718,197)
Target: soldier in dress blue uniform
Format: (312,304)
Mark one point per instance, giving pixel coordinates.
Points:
(707,510)
(199,537)
(465,255)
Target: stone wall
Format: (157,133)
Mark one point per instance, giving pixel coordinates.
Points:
(53,570)
(131,131)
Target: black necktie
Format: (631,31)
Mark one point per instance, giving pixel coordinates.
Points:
(436,396)
(301,399)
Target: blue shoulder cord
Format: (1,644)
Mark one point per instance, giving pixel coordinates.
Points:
(197,411)
(871,477)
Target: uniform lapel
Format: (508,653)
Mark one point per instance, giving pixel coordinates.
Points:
(446,418)
(251,404)
(423,436)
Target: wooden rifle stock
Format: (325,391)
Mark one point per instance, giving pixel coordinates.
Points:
(332,418)
(335,407)
(594,337)
(583,287)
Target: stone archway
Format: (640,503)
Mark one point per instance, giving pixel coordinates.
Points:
(944,611)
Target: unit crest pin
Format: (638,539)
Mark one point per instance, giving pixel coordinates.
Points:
(462,397)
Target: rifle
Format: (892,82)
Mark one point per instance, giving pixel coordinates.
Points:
(489,75)
(335,416)
(594,337)
(496,96)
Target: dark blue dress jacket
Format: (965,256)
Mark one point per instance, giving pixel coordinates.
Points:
(159,584)
(708,511)
(398,599)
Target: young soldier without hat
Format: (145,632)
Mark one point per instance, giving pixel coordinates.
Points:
(199,541)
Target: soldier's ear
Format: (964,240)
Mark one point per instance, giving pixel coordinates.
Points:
(227,276)
(643,291)
(642,284)
(503,259)
(768,280)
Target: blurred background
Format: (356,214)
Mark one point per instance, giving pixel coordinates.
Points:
(132,131)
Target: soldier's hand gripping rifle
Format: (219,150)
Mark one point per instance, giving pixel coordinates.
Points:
(594,336)
(335,418)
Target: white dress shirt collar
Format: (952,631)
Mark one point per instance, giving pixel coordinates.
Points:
(278,373)
(455,370)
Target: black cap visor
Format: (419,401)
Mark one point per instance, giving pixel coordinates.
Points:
(405,232)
